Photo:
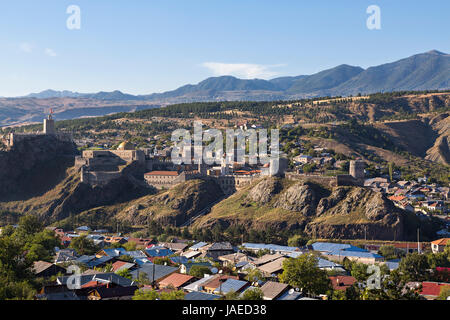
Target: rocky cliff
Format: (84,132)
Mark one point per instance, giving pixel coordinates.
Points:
(33,166)
(340,212)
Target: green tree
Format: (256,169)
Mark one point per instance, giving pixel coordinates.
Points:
(414,267)
(253,294)
(125,273)
(297,240)
(199,271)
(304,273)
(444,294)
(83,245)
(389,252)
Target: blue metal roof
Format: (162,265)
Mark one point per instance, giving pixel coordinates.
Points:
(179,259)
(99,261)
(272,247)
(231,285)
(290,296)
(163,252)
(147,268)
(115,252)
(196,286)
(197,295)
(328,246)
(323,263)
(85,259)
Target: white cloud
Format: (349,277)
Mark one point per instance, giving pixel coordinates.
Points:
(241,70)
(26,47)
(50,52)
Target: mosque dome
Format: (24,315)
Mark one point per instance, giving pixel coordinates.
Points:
(126,145)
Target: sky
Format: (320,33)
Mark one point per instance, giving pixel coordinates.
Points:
(147,46)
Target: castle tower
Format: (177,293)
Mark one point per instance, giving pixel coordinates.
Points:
(357,170)
(49,124)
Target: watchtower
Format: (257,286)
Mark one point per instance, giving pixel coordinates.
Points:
(49,124)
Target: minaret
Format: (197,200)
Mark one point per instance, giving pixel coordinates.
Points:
(49,124)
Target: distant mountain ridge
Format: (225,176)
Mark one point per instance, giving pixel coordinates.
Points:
(424,71)
(429,70)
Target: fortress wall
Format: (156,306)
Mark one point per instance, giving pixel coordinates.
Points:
(323,180)
(98,177)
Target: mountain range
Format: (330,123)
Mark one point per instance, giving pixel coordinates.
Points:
(424,71)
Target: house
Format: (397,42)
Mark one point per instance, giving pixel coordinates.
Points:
(439,245)
(140,242)
(158,252)
(234,258)
(198,246)
(273,290)
(83,229)
(198,285)
(273,248)
(303,159)
(105,277)
(44,269)
(176,246)
(176,280)
(65,255)
(342,282)
(115,293)
(198,295)
(115,253)
(272,268)
(231,285)
(217,249)
(122,265)
(431,290)
(214,282)
(113,240)
(185,268)
(153,272)
(340,251)
(267,258)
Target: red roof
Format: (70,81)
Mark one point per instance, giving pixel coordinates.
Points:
(93,284)
(162,173)
(441,242)
(176,280)
(432,288)
(342,282)
(396,198)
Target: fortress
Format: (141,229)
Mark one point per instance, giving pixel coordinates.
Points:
(354,178)
(99,167)
(48,129)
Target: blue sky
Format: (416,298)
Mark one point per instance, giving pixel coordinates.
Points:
(146,46)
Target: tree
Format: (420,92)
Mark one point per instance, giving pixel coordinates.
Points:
(155,295)
(199,271)
(297,240)
(125,273)
(389,252)
(444,294)
(253,294)
(359,271)
(254,275)
(414,267)
(83,245)
(304,273)
(29,225)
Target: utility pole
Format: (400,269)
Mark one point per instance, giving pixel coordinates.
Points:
(418,243)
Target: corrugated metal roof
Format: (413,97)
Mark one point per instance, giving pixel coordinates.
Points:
(196,295)
(231,285)
(195,286)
